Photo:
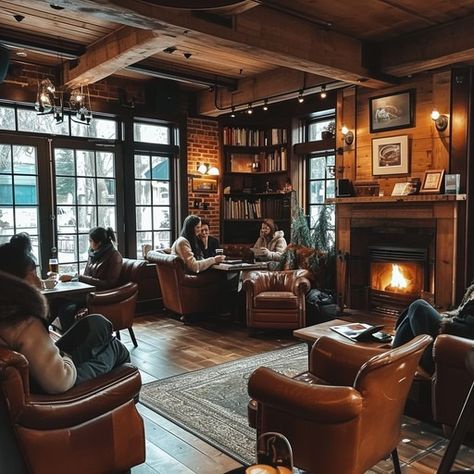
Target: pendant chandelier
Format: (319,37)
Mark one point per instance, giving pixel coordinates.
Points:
(48,102)
(80,105)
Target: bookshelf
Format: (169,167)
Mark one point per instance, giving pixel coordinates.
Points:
(256,172)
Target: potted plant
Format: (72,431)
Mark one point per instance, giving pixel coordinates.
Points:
(329,131)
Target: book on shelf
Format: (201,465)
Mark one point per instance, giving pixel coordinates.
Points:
(237,136)
(356,331)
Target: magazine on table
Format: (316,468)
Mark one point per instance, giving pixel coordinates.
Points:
(358,331)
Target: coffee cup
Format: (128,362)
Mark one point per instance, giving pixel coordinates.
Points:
(219,251)
(49,284)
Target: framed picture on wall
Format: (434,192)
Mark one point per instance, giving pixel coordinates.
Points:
(432,181)
(204,185)
(390,155)
(392,111)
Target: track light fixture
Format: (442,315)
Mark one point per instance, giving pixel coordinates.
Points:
(323,94)
(300,96)
(265,105)
(249,109)
(233,112)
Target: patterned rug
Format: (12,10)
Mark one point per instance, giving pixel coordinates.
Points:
(212,402)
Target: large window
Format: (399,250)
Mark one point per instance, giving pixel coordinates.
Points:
(19,192)
(153,171)
(321,174)
(85,198)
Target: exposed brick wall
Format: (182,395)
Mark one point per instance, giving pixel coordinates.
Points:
(203,147)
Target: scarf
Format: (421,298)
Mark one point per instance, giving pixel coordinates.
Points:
(96,255)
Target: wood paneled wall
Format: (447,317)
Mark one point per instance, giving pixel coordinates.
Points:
(428,148)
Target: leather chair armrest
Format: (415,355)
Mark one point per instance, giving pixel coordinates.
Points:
(115,295)
(319,403)
(339,362)
(301,286)
(83,402)
(11,360)
(451,350)
(256,282)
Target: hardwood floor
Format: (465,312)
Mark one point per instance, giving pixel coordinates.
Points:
(166,347)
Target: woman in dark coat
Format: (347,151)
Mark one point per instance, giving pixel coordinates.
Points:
(207,243)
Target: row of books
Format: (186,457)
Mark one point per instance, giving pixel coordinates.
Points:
(255,209)
(252,137)
(262,162)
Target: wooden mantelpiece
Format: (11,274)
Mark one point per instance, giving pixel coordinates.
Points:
(428,215)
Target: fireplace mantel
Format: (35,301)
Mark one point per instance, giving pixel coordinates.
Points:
(383,199)
(437,214)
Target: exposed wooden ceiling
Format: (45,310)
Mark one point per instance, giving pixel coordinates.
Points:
(251,46)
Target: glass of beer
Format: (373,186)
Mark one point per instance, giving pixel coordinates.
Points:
(53,265)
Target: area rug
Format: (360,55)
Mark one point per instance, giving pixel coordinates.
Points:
(212,403)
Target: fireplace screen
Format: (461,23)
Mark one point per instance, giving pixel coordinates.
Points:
(397,277)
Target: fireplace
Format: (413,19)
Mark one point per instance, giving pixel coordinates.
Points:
(415,236)
(397,276)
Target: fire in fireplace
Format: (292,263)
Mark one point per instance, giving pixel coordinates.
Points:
(397,277)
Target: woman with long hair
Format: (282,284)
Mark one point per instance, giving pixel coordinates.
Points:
(87,350)
(188,248)
(271,243)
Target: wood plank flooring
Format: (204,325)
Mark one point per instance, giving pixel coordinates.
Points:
(166,347)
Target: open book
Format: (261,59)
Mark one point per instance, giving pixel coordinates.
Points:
(357,331)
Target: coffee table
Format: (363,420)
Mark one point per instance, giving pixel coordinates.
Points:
(311,334)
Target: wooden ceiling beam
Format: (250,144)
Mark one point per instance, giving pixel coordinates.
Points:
(261,33)
(114,52)
(432,48)
(266,85)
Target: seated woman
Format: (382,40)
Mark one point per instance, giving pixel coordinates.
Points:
(92,349)
(187,247)
(102,270)
(271,244)
(207,243)
(421,318)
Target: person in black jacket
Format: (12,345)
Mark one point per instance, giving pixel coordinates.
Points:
(207,243)
(421,318)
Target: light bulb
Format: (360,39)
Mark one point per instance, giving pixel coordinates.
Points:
(213,171)
(435,114)
(344,130)
(202,168)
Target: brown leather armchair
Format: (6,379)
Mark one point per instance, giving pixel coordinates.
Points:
(349,417)
(451,381)
(94,427)
(185,293)
(276,299)
(117,305)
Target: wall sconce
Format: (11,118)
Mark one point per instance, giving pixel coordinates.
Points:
(348,135)
(441,121)
(206,168)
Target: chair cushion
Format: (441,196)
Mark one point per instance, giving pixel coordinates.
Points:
(276,300)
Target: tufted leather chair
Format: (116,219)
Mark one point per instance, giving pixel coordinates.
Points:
(186,293)
(451,381)
(345,415)
(93,428)
(117,305)
(276,299)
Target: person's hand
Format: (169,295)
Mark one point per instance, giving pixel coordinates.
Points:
(219,258)
(264,252)
(65,278)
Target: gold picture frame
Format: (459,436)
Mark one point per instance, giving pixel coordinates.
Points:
(432,182)
(204,185)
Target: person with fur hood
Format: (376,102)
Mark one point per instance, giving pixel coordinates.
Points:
(87,350)
(421,318)
(271,244)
